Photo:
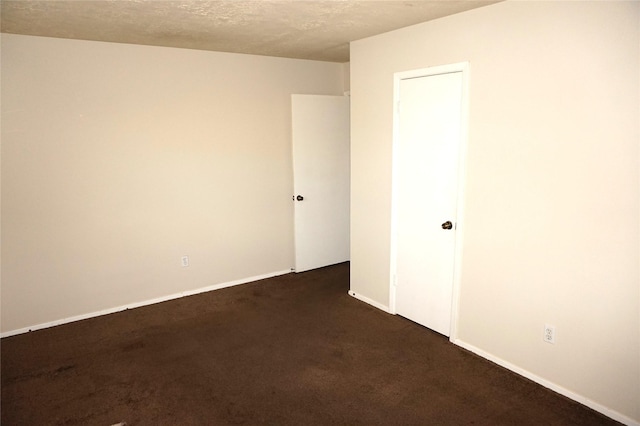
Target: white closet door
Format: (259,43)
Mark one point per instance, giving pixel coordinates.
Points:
(426,192)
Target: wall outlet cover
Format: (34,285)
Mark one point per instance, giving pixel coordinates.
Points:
(549,335)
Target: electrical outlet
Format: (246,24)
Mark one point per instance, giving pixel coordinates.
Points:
(549,334)
(185,261)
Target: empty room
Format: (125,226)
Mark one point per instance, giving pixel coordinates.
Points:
(320,212)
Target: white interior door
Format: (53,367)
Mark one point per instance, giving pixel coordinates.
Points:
(321,170)
(426,165)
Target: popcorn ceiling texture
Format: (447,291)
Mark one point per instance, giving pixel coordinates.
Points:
(317,30)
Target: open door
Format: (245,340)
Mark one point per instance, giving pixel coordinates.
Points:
(321,173)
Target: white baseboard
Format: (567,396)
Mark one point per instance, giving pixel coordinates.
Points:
(142,303)
(369,301)
(550,385)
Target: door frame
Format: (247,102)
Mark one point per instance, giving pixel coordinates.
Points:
(462,67)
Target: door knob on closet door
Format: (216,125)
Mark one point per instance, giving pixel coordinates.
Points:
(299,198)
(447,225)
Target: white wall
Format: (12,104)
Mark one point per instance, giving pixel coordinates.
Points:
(551,230)
(119,159)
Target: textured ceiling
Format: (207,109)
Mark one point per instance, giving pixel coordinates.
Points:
(304,29)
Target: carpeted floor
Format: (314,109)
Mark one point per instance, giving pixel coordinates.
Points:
(289,350)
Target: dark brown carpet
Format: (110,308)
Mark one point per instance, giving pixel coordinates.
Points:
(290,350)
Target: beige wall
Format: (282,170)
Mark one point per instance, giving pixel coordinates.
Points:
(119,159)
(346,67)
(551,231)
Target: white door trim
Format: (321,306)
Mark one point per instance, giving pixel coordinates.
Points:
(462,67)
